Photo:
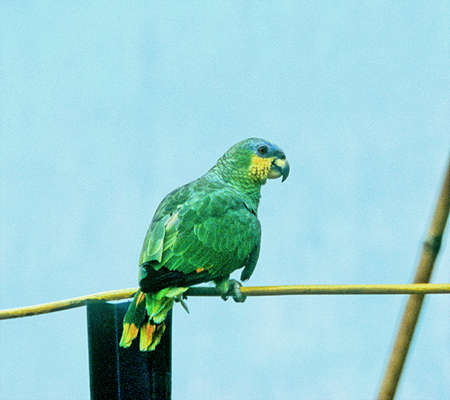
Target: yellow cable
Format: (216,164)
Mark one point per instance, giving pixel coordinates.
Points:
(425,288)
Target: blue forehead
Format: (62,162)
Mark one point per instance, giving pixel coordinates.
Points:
(254,144)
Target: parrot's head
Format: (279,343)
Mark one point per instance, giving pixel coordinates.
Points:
(256,160)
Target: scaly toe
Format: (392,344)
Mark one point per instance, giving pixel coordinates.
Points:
(235,291)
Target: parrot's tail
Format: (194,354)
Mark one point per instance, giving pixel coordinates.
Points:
(146,314)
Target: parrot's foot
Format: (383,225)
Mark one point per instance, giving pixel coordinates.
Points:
(235,292)
(180,299)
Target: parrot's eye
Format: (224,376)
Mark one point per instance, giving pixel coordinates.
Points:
(262,150)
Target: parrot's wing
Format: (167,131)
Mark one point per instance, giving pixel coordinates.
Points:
(152,248)
(210,235)
(250,264)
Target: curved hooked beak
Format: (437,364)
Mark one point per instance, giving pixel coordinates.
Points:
(280,167)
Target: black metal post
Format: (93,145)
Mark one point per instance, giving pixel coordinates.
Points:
(118,373)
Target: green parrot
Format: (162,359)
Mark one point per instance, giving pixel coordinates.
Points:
(202,231)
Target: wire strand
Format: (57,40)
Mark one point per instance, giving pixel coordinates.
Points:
(429,288)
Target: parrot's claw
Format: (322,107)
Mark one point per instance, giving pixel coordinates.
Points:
(235,292)
(180,299)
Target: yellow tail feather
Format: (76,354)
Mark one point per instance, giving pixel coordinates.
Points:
(146,315)
(151,336)
(130,332)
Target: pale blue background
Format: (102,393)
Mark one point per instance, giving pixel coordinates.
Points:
(107,106)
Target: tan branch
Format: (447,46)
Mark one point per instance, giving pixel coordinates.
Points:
(405,332)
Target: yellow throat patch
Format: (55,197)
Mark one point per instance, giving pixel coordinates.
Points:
(259,167)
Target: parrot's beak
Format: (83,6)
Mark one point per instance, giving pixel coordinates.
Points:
(280,167)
